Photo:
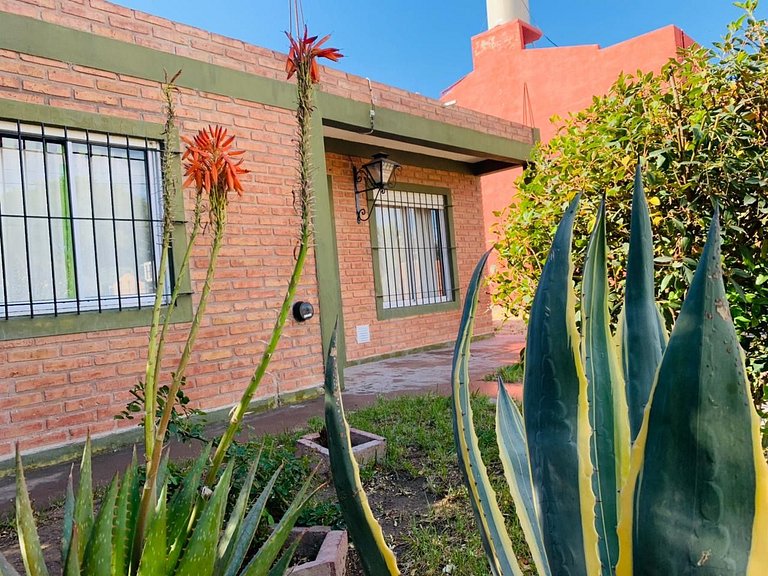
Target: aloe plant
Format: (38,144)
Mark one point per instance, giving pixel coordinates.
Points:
(640,457)
(187,534)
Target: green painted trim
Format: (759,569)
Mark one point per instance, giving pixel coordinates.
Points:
(16,328)
(360,150)
(59,117)
(31,36)
(391,313)
(48,40)
(355,116)
(326,251)
(124,438)
(427,348)
(408,311)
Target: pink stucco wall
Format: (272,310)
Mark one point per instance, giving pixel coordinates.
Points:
(557,81)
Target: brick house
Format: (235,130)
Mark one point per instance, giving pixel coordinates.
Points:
(80,132)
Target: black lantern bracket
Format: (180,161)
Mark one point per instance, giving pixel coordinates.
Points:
(376,176)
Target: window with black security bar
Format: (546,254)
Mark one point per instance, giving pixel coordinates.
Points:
(413,249)
(80,220)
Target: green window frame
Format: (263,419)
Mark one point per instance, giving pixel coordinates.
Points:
(413,251)
(91,182)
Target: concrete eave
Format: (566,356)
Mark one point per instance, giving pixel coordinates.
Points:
(407,136)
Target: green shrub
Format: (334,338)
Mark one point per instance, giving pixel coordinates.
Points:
(701,126)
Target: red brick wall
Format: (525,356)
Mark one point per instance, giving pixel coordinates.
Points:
(356,265)
(106,19)
(53,389)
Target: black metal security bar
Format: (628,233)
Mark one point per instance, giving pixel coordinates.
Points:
(413,250)
(80,220)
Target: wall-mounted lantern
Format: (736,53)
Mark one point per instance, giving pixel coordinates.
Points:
(375,176)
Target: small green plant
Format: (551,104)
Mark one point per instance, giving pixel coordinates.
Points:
(186,423)
(636,457)
(509,374)
(188,533)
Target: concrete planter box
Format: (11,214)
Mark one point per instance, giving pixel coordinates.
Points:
(327,547)
(366,447)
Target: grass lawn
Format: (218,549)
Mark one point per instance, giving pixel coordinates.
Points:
(418,494)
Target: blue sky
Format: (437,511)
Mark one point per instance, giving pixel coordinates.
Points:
(424,45)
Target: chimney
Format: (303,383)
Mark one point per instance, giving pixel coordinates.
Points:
(503,11)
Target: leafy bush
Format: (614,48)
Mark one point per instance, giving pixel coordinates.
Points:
(701,126)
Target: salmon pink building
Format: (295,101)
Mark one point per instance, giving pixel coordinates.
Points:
(515,81)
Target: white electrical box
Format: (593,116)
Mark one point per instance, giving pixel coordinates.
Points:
(363,334)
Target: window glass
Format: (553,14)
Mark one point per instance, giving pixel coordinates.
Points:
(78,230)
(412,249)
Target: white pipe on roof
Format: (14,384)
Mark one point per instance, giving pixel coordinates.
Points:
(502,11)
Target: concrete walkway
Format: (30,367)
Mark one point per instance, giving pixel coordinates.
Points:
(417,373)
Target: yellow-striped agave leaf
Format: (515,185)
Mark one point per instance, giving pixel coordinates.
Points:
(609,442)
(696,501)
(513,453)
(490,520)
(643,336)
(556,414)
(376,557)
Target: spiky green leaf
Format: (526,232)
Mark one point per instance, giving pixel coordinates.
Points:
(84,501)
(496,542)
(181,507)
(247,529)
(72,565)
(125,518)
(31,552)
(697,497)
(642,332)
(556,415)
(236,515)
(199,555)
(69,520)
(98,551)
(265,557)
(513,453)
(365,531)
(281,566)
(154,558)
(609,441)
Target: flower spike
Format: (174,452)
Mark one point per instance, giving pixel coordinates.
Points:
(305,50)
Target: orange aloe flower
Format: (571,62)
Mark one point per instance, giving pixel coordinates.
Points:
(211,164)
(307,50)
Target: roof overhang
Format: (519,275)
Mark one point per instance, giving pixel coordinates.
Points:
(416,140)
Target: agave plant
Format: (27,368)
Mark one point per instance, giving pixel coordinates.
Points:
(186,536)
(633,455)
(376,557)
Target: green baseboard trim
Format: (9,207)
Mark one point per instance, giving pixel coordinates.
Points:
(124,438)
(409,351)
